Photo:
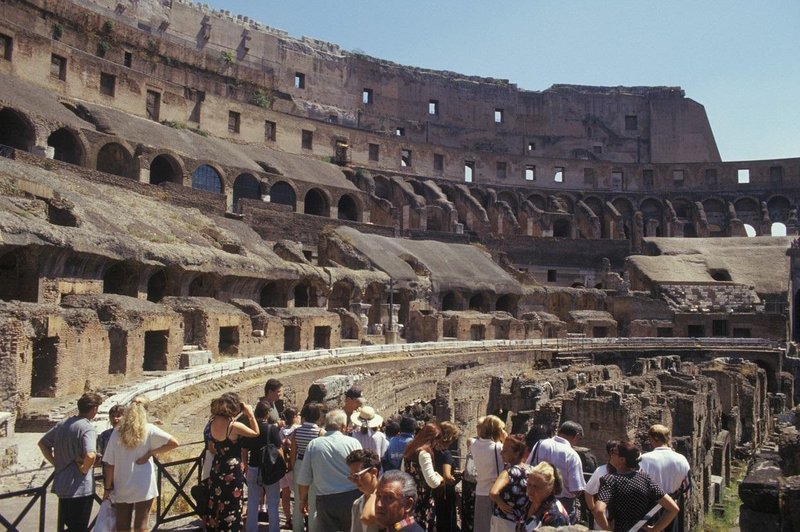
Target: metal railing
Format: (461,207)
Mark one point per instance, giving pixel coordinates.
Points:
(175,475)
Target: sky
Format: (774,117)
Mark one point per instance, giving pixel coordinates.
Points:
(739,59)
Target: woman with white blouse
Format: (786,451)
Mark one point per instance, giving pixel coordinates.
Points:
(486,453)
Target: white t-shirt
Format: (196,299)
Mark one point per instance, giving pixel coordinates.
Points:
(355,519)
(488,463)
(560,453)
(593,486)
(133,482)
(666,467)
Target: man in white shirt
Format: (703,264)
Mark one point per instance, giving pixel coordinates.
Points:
(667,468)
(559,452)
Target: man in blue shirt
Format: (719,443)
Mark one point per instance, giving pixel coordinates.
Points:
(324,465)
(397,444)
(71,447)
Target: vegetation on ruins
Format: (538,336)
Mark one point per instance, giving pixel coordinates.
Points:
(174,124)
(58,31)
(227,57)
(262,99)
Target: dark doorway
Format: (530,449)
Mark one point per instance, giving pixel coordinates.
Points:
(695,331)
(157,286)
(45,363)
(305,295)
(163,170)
(477,332)
(18,277)
(347,209)
(66,146)
(155,350)
(272,296)
(121,279)
(246,186)
(283,194)
(229,341)
(599,332)
(322,337)
(719,328)
(315,203)
(562,229)
(117,362)
(15,130)
(449,301)
(291,338)
(114,159)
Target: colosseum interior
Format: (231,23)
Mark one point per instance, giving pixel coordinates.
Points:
(187,192)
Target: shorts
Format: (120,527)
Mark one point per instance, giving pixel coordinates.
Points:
(287,481)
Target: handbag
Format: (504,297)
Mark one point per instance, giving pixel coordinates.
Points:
(106,520)
(200,493)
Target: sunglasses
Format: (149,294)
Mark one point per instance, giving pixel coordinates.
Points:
(356,476)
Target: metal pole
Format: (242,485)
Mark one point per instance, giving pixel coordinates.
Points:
(391,302)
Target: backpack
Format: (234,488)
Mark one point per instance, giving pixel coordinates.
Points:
(272,466)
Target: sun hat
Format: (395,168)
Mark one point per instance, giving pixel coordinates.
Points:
(366,416)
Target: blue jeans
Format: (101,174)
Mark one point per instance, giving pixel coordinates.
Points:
(254,496)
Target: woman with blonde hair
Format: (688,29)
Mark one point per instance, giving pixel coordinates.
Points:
(128,469)
(488,465)
(543,484)
(227,471)
(508,492)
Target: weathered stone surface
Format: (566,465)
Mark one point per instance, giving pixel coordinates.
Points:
(760,489)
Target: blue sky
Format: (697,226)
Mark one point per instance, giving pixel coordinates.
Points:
(740,59)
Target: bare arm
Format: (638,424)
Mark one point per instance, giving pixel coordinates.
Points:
(108,480)
(47,452)
(670,511)
(88,462)
(599,513)
(447,474)
(368,513)
(303,498)
(171,444)
(292,453)
(497,488)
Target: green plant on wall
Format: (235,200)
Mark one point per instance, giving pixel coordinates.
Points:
(226,57)
(262,99)
(58,31)
(103,48)
(108,26)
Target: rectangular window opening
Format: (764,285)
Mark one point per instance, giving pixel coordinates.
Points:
(743,176)
(405,158)
(400,132)
(374,152)
(127,59)
(552,276)
(270,130)
(307,139)
(558,174)
(366,96)
(153,105)
(531,146)
(58,67)
(530,173)
(299,80)
(502,169)
(438,162)
(433,107)
(647,178)
(234,121)
(631,122)
(108,84)
(617,180)
(6,47)
(469,171)
(678,177)
(499,116)
(589,177)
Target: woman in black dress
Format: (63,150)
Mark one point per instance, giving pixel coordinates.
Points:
(443,463)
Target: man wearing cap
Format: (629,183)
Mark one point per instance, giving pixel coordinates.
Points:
(353,400)
(71,447)
(366,422)
(398,444)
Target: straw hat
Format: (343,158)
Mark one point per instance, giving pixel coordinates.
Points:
(366,416)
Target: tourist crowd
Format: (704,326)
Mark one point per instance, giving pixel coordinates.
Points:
(349,469)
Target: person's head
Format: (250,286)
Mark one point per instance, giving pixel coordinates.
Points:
(353,399)
(491,428)
(312,412)
(366,419)
(395,498)
(625,455)
(364,465)
(659,435)
(408,425)
(610,446)
(450,433)
(115,415)
(513,449)
(88,403)
(133,426)
(392,428)
(423,441)
(571,431)
(262,410)
(335,420)
(291,416)
(273,390)
(226,405)
(544,480)
(537,433)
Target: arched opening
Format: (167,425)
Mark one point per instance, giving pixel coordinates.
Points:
(510,198)
(205,177)
(315,203)
(246,186)
(283,194)
(778,229)
(596,206)
(383,188)
(748,211)
(651,217)
(272,295)
(449,301)
(340,296)
(114,159)
(15,130)
(749,230)
(538,201)
(203,285)
(157,286)
(122,279)
(305,295)
(562,229)
(347,209)
(480,303)
(716,215)
(66,146)
(164,169)
(507,303)
(779,207)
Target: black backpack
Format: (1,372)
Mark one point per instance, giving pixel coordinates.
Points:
(273,466)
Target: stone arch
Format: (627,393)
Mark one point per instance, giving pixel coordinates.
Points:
(716,215)
(507,303)
(316,203)
(16,130)
(347,209)
(480,302)
(341,295)
(114,158)
(509,197)
(383,187)
(684,210)
(568,202)
(246,186)
(779,207)
(122,278)
(562,228)
(157,286)
(165,168)
(449,301)
(273,295)
(67,146)
(598,208)
(481,195)
(538,201)
(284,194)
(748,210)
(652,216)
(206,177)
(306,294)
(419,188)
(203,285)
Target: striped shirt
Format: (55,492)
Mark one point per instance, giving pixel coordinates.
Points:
(304,434)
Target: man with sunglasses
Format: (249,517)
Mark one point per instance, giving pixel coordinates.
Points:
(364,464)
